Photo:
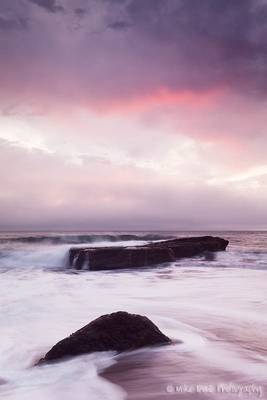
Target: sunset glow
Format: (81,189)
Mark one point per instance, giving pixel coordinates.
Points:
(120,115)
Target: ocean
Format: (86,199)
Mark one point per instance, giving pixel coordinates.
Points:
(217,306)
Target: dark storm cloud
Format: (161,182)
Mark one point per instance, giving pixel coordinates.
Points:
(48,5)
(178,45)
(218,41)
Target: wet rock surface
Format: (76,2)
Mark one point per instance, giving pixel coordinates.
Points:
(106,258)
(119,331)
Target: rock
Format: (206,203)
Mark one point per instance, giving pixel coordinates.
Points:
(119,331)
(105,258)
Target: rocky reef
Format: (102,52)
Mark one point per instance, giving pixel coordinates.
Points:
(106,258)
(119,331)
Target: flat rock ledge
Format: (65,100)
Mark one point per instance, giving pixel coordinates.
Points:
(119,331)
(106,258)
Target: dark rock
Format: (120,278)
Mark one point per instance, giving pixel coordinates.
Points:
(119,331)
(104,258)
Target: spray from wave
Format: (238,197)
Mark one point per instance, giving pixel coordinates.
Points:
(51,250)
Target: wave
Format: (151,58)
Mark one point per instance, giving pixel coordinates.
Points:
(84,238)
(51,250)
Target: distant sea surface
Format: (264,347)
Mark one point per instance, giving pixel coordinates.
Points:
(217,305)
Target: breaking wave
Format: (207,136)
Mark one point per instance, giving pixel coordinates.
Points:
(51,250)
(82,238)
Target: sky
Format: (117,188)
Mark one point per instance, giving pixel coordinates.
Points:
(133,114)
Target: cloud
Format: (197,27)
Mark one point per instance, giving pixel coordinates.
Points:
(213,42)
(119,25)
(48,5)
(178,46)
(10,24)
(140,104)
(80,12)
(46,190)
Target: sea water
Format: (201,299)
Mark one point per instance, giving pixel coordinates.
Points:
(216,304)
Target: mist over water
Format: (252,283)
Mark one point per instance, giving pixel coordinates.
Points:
(216,304)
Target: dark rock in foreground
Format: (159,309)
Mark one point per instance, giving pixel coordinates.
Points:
(104,258)
(119,331)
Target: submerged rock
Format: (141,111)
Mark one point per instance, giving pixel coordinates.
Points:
(104,258)
(119,331)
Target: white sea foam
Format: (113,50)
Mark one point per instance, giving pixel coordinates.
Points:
(216,307)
